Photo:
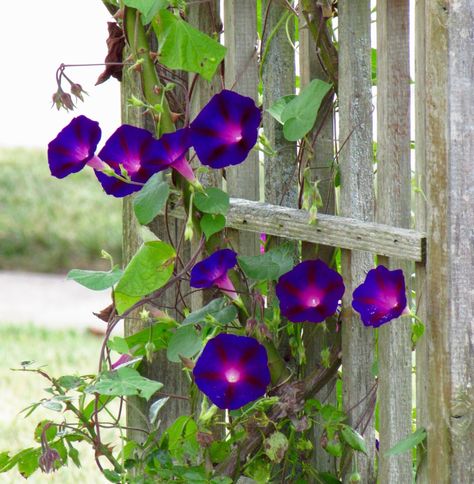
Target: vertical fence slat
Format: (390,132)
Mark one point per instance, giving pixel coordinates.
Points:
(240,33)
(321,164)
(420,221)
(357,200)
(160,369)
(393,207)
(450,254)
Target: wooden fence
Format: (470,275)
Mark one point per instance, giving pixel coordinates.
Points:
(374,216)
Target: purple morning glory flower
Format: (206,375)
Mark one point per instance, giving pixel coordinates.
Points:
(232,371)
(311,291)
(381,297)
(142,156)
(74,147)
(212,271)
(171,151)
(225,130)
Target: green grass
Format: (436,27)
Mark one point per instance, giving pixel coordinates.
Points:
(51,225)
(63,352)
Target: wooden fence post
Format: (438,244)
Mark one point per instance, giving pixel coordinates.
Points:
(394,208)
(321,162)
(241,75)
(420,224)
(357,200)
(450,239)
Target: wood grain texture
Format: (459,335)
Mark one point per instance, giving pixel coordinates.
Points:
(344,232)
(241,75)
(450,222)
(394,208)
(420,224)
(321,163)
(357,200)
(160,369)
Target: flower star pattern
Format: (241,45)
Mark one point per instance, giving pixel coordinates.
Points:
(74,147)
(311,291)
(381,297)
(232,371)
(225,130)
(212,271)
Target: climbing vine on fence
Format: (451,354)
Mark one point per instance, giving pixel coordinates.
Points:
(250,407)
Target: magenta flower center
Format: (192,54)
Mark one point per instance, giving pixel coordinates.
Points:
(232,375)
(233,134)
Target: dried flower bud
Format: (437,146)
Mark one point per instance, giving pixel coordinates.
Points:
(175,117)
(57,99)
(48,459)
(250,326)
(66,101)
(187,362)
(204,439)
(76,90)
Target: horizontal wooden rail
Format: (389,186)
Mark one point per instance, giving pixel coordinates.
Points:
(347,233)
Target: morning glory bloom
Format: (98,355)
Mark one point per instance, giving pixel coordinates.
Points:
(171,151)
(74,147)
(226,129)
(212,271)
(311,292)
(232,371)
(381,297)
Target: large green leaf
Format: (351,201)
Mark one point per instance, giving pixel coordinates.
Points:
(300,113)
(213,201)
(409,443)
(96,280)
(219,309)
(150,268)
(125,382)
(270,265)
(148,8)
(183,47)
(151,199)
(212,223)
(277,108)
(185,342)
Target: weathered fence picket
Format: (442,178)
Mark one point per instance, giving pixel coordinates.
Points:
(394,207)
(444,36)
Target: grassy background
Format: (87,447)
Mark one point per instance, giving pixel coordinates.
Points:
(51,225)
(63,352)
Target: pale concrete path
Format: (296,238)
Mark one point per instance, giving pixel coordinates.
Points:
(51,301)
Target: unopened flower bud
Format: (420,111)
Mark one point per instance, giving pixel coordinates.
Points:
(48,459)
(250,326)
(188,232)
(175,117)
(149,350)
(144,315)
(205,439)
(355,477)
(76,90)
(66,101)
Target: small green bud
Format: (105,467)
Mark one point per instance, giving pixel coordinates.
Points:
(355,477)
(150,348)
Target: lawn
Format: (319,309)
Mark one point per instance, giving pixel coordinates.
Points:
(51,225)
(63,352)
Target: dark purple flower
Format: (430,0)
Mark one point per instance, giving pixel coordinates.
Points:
(381,297)
(171,151)
(142,156)
(226,129)
(212,271)
(311,291)
(74,147)
(232,370)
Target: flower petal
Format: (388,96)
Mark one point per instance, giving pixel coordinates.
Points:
(381,297)
(210,270)
(226,129)
(232,370)
(311,291)
(73,147)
